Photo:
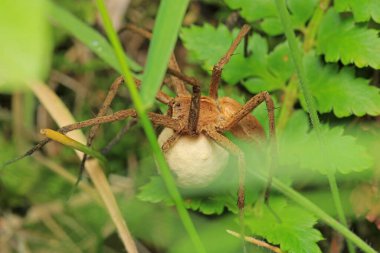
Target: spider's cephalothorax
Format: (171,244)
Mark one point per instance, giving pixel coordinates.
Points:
(214,113)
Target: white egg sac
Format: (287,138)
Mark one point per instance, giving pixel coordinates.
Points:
(195,160)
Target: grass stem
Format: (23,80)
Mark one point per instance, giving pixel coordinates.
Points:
(149,130)
(310,103)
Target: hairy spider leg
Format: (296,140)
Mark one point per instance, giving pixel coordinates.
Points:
(162,97)
(102,111)
(218,68)
(244,111)
(235,150)
(170,142)
(215,79)
(178,80)
(118,136)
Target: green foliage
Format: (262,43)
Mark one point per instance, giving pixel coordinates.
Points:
(334,90)
(21,179)
(263,71)
(340,152)
(294,231)
(155,192)
(362,10)
(341,39)
(25,44)
(88,36)
(339,90)
(168,22)
(266,12)
(199,41)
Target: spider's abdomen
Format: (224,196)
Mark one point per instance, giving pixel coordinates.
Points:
(249,128)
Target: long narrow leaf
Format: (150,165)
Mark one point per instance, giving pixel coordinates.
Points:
(149,131)
(88,36)
(165,33)
(70,142)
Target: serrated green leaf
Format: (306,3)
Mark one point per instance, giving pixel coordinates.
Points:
(293,138)
(208,206)
(362,10)
(339,152)
(241,67)
(341,39)
(155,192)
(339,90)
(295,232)
(331,151)
(266,11)
(206,43)
(267,71)
(253,10)
(301,10)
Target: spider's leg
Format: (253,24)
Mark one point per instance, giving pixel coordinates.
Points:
(119,136)
(244,111)
(170,141)
(161,96)
(102,111)
(71,127)
(218,68)
(235,150)
(195,99)
(157,119)
(177,84)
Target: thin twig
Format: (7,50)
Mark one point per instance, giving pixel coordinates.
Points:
(256,242)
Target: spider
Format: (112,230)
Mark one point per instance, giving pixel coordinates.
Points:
(191,114)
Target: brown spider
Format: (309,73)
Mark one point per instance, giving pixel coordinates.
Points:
(192,114)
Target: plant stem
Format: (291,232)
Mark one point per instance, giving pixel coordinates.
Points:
(149,130)
(310,103)
(313,26)
(291,91)
(287,107)
(307,204)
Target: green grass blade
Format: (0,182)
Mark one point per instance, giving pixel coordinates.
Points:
(310,104)
(149,131)
(88,36)
(165,33)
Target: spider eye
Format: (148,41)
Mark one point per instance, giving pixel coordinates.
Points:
(177,105)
